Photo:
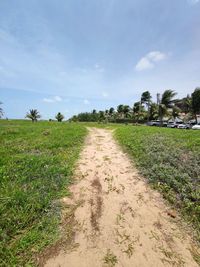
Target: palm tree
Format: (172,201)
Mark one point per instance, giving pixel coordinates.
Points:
(33,115)
(175,112)
(165,103)
(126,111)
(1,110)
(153,111)
(111,111)
(101,115)
(120,110)
(146,99)
(59,117)
(185,104)
(196,102)
(138,111)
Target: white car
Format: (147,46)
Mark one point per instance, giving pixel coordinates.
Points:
(183,126)
(196,127)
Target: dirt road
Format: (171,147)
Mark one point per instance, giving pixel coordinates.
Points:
(122,222)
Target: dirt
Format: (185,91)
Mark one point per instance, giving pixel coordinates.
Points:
(121,221)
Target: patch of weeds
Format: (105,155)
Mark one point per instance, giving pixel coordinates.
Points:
(120,218)
(170,160)
(106,158)
(130,249)
(110,259)
(154,235)
(195,254)
(172,258)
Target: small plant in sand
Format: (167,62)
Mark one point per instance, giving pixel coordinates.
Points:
(110,259)
(130,249)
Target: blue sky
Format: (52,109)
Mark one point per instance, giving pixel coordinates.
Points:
(76,55)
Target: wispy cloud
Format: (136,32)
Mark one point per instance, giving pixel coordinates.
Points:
(149,60)
(53,99)
(104,94)
(86,101)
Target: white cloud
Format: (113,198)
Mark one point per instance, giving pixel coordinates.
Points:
(156,56)
(48,100)
(104,94)
(193,2)
(58,98)
(86,101)
(144,64)
(53,99)
(149,60)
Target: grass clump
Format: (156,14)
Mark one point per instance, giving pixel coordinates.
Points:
(36,167)
(170,159)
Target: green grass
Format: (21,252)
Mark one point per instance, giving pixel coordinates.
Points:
(36,167)
(170,160)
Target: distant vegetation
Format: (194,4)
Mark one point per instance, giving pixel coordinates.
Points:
(1,110)
(36,166)
(167,106)
(33,114)
(59,117)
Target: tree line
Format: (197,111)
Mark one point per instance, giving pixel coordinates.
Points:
(144,110)
(34,115)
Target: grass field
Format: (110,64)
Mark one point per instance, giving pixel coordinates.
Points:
(36,166)
(170,160)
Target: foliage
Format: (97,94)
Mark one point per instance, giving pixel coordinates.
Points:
(185,104)
(1,110)
(175,112)
(36,167)
(196,102)
(154,112)
(146,99)
(170,159)
(166,102)
(33,115)
(59,117)
(145,109)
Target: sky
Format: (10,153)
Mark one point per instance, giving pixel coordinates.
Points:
(72,56)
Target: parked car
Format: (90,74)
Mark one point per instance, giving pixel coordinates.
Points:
(196,127)
(156,123)
(172,125)
(183,126)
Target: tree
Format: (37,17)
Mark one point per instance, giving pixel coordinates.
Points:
(126,111)
(175,112)
(120,110)
(33,115)
(1,110)
(101,115)
(196,102)
(111,111)
(59,117)
(146,99)
(138,111)
(165,103)
(185,104)
(153,111)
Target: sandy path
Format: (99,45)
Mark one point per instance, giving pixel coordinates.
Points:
(122,222)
